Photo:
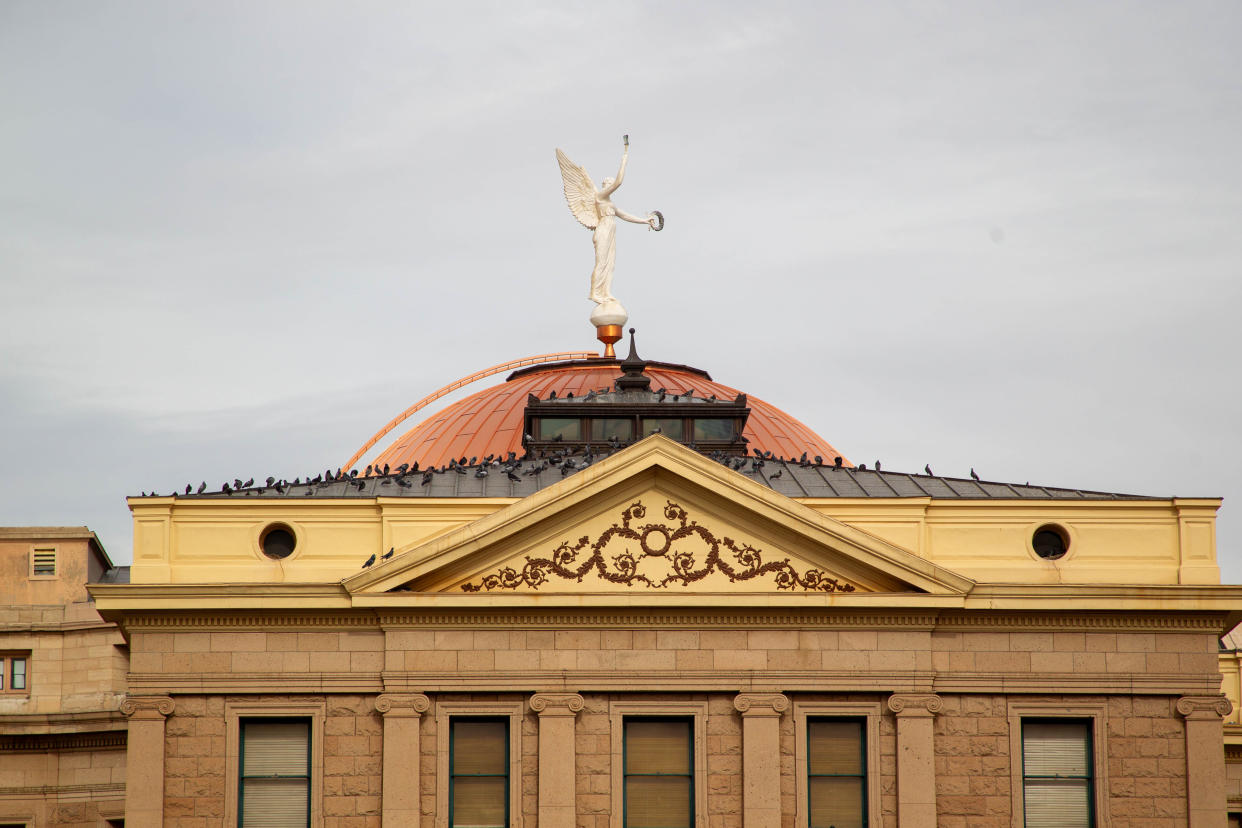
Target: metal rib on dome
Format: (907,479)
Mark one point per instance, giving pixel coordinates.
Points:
(491,421)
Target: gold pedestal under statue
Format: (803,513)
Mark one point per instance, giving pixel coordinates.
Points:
(609,335)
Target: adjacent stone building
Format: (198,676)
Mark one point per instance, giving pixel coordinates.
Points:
(62,683)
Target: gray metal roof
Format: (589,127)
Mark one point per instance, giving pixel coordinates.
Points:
(788,477)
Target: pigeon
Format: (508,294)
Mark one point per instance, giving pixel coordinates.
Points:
(388,554)
(370,561)
(973,476)
(403,468)
(927,469)
(837,462)
(202,487)
(248,483)
(509,474)
(237,484)
(776,474)
(877,465)
(427,477)
(270,481)
(819,461)
(188,488)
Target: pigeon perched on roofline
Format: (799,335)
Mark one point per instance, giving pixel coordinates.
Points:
(927,469)
(973,476)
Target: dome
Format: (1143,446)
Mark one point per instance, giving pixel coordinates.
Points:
(491,421)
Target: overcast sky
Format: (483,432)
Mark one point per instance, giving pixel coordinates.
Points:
(236,239)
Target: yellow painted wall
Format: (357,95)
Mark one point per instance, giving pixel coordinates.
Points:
(1141,542)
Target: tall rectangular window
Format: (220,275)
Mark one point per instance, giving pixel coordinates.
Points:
(274,784)
(13,672)
(836,753)
(479,773)
(659,773)
(1057,778)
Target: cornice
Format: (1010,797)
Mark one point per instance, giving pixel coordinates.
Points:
(969,620)
(734,681)
(58,626)
(62,790)
(773,617)
(51,723)
(655,618)
(351,620)
(178,683)
(62,742)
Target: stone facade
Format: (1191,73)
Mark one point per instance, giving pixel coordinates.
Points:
(985,682)
(62,740)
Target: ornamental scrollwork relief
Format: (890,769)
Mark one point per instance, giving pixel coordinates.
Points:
(736,561)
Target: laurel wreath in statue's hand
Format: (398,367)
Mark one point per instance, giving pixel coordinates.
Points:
(656,222)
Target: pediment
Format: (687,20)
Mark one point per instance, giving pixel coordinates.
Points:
(657,518)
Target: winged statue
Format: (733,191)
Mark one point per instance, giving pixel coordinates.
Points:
(595,210)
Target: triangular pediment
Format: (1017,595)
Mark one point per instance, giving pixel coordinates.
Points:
(657,517)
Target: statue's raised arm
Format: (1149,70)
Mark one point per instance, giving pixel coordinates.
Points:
(594,209)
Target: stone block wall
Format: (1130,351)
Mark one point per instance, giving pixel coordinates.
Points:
(196,762)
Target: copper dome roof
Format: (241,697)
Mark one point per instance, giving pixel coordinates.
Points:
(491,421)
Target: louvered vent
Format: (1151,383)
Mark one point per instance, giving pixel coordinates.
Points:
(44,562)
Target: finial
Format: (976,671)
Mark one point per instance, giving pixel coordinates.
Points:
(633,378)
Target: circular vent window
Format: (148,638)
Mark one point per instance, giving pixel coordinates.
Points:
(1050,542)
(278,541)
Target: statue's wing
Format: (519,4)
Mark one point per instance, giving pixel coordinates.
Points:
(579,191)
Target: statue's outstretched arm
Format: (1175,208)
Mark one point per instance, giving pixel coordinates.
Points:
(621,214)
(625,156)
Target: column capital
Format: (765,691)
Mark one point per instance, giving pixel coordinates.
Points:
(760,704)
(1204,707)
(402,705)
(915,704)
(149,708)
(556,704)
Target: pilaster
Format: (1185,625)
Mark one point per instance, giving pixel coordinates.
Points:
(557,767)
(402,714)
(916,754)
(1205,761)
(761,757)
(144,759)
